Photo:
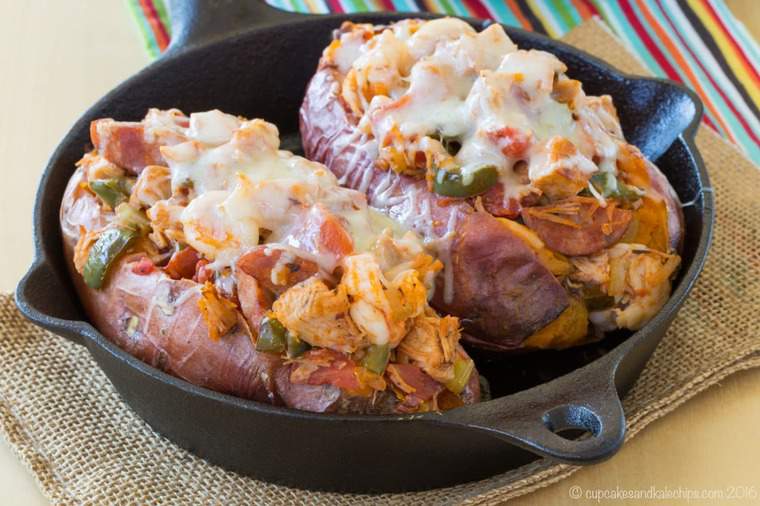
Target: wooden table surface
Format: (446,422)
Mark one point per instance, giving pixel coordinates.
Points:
(59,57)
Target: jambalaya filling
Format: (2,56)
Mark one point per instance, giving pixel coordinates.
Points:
(320,278)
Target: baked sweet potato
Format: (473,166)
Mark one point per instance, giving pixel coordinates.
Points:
(201,281)
(446,129)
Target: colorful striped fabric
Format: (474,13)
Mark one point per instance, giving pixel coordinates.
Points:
(696,42)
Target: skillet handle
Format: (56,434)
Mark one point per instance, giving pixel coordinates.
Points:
(40,294)
(532,420)
(196,22)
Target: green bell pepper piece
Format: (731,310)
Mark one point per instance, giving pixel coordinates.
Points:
(376,358)
(131,218)
(104,252)
(111,191)
(273,336)
(452,184)
(463,368)
(451,143)
(609,186)
(296,347)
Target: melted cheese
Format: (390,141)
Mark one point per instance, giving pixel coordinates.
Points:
(441,77)
(239,183)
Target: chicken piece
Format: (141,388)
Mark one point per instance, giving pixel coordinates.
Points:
(82,249)
(431,344)
(376,72)
(640,279)
(165,223)
(97,167)
(396,256)
(591,270)
(318,315)
(382,309)
(153,184)
(219,314)
(562,171)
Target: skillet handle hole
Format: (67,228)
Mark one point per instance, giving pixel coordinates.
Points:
(572,422)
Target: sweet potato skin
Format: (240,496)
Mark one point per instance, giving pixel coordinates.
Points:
(156,319)
(168,332)
(495,273)
(498,318)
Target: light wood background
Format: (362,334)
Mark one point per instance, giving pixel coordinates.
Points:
(58,57)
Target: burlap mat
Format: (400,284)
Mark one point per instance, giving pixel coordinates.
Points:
(83,445)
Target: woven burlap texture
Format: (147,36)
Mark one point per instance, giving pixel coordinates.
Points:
(84,445)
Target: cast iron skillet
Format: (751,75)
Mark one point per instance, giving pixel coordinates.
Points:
(249,59)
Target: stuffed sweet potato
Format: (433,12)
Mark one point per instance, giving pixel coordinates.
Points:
(551,227)
(200,248)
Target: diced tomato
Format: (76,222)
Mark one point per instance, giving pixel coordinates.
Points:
(334,238)
(182,264)
(143,266)
(202,274)
(254,300)
(260,261)
(512,141)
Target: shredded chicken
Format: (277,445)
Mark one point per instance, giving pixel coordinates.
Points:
(640,278)
(97,167)
(319,316)
(219,313)
(564,171)
(153,184)
(82,248)
(380,307)
(431,344)
(591,270)
(165,223)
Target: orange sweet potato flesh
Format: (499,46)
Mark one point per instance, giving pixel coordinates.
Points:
(636,170)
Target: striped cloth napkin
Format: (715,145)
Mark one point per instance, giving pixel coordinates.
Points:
(696,42)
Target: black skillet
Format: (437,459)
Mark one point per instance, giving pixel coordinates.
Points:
(249,59)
